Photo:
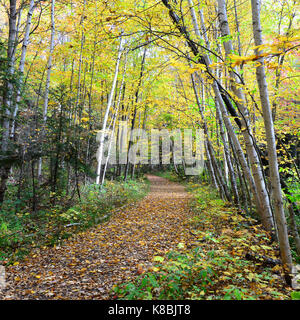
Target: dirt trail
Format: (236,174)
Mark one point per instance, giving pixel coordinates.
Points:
(89,264)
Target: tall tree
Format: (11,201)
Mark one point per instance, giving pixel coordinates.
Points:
(8,94)
(270,136)
(49,68)
(108,107)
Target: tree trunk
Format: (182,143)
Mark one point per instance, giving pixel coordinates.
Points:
(246,130)
(8,95)
(135,109)
(271,145)
(49,67)
(294,228)
(214,165)
(22,63)
(228,159)
(109,104)
(115,120)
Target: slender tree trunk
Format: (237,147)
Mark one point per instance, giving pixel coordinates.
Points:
(214,165)
(135,109)
(109,104)
(210,167)
(260,197)
(294,228)
(90,103)
(271,145)
(228,159)
(115,120)
(22,63)
(267,222)
(281,61)
(8,95)
(80,65)
(246,130)
(34,198)
(79,101)
(237,25)
(49,68)
(58,149)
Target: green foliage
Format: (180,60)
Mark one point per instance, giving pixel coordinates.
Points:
(294,191)
(95,202)
(171,175)
(176,276)
(295,295)
(183,275)
(233,293)
(23,229)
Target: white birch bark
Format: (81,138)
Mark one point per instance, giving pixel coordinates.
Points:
(114,121)
(8,95)
(271,145)
(49,68)
(80,65)
(11,60)
(210,167)
(267,222)
(22,62)
(246,129)
(109,104)
(228,164)
(203,28)
(224,111)
(211,156)
(46,98)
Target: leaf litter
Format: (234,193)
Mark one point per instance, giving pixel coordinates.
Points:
(135,239)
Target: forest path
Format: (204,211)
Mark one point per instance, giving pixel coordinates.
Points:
(89,264)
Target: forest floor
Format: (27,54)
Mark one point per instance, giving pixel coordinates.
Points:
(89,264)
(122,250)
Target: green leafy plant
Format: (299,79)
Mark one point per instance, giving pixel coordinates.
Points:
(295,295)
(175,276)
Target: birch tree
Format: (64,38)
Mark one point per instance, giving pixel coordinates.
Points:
(49,68)
(246,128)
(8,95)
(270,136)
(220,103)
(260,196)
(32,5)
(108,107)
(114,119)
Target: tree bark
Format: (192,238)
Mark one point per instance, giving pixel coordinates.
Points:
(109,104)
(115,120)
(8,95)
(49,68)
(246,129)
(135,110)
(22,63)
(271,145)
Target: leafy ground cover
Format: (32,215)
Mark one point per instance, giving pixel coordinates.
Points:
(53,223)
(89,264)
(231,258)
(170,245)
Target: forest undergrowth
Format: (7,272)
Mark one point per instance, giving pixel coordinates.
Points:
(58,218)
(232,258)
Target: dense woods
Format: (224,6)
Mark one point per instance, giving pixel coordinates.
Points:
(72,71)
